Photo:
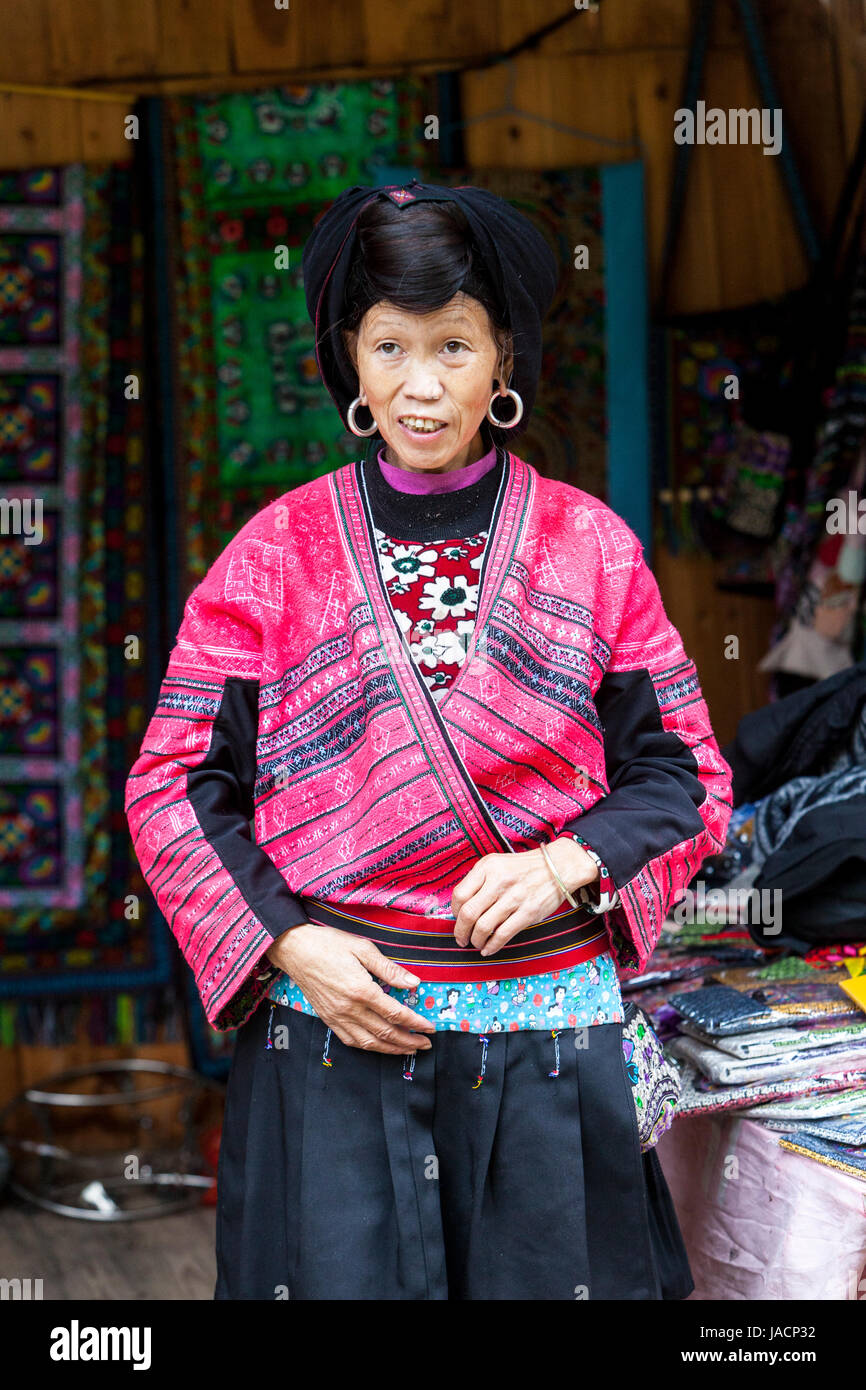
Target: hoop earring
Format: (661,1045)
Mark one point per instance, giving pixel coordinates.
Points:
(518,411)
(350,420)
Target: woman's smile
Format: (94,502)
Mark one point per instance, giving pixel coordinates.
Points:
(420,427)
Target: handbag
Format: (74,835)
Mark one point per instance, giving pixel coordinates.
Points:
(655,1081)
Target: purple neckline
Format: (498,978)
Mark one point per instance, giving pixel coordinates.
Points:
(420,483)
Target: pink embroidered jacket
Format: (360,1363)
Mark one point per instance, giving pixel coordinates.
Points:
(296,751)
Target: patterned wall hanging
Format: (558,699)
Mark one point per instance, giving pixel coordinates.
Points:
(72,708)
(247,172)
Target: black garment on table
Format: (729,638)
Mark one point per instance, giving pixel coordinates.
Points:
(819,864)
(796,736)
(820,872)
(349,1182)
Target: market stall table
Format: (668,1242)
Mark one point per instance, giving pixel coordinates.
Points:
(759,1221)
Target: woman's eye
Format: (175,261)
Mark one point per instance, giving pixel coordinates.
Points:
(455,343)
(383,346)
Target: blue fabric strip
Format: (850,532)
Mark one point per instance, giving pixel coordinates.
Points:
(626,346)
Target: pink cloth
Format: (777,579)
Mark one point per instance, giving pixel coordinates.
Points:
(362,791)
(419,483)
(761,1222)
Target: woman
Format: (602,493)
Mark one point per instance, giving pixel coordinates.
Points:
(415,707)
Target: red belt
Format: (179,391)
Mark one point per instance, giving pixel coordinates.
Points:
(426,945)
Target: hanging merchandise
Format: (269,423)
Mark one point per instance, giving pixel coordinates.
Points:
(823,636)
(820,554)
(730,388)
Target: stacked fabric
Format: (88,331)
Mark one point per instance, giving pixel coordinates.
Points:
(779,1035)
(791,1054)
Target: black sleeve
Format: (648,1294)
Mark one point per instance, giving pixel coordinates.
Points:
(655,790)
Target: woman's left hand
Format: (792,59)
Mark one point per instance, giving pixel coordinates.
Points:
(503,894)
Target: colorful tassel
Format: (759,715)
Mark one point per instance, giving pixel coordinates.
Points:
(484,1040)
(326,1061)
(555,1035)
(409,1067)
(270,1041)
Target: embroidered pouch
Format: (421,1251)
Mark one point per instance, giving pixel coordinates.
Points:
(655,1081)
(755,480)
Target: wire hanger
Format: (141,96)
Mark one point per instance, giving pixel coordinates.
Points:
(509,109)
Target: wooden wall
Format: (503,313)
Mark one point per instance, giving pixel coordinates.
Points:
(616,72)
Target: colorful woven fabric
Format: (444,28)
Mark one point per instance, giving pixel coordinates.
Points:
(806,1108)
(252,172)
(724,1070)
(843,1129)
(42,848)
(654,1079)
(699,1095)
(813,997)
(851,954)
(70,698)
(847,1158)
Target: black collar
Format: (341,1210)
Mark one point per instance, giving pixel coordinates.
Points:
(412,516)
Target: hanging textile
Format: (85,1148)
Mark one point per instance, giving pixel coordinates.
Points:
(82,942)
(249,172)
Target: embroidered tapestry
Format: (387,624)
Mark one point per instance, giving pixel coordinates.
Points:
(251,172)
(73,707)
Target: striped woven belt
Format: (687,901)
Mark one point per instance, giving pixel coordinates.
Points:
(427,945)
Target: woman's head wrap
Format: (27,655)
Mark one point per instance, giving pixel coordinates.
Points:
(516,257)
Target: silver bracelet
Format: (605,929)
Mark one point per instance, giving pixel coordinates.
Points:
(552,867)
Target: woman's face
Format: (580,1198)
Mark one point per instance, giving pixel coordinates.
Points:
(427,380)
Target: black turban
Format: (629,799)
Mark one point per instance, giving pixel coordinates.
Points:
(515,255)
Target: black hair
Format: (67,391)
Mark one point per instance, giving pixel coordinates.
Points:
(417,258)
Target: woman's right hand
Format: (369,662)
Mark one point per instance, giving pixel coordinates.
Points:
(335,971)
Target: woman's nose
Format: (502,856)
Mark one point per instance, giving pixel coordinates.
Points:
(423,384)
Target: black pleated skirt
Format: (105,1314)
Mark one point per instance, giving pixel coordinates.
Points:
(351,1181)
